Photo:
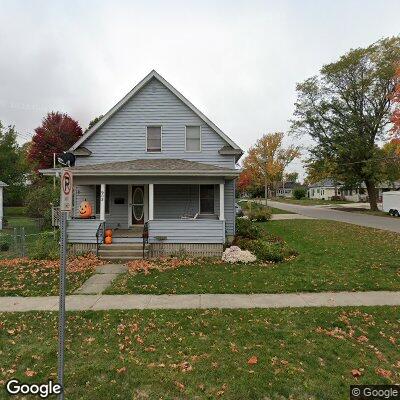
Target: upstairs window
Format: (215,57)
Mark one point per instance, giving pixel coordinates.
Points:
(153,139)
(193,138)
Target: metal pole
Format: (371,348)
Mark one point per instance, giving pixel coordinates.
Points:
(61,320)
(54,166)
(23,241)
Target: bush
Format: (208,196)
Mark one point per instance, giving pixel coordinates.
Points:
(247,229)
(299,193)
(45,247)
(4,245)
(260,215)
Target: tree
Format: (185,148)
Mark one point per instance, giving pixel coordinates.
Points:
(267,160)
(396,100)
(57,133)
(93,122)
(291,176)
(346,110)
(391,160)
(12,166)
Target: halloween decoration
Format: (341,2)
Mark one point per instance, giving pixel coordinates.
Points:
(109,232)
(108,240)
(85,210)
(66,159)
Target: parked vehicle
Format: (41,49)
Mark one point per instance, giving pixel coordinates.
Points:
(391,203)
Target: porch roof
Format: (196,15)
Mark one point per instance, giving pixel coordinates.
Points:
(154,167)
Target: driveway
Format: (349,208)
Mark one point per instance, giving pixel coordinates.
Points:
(318,212)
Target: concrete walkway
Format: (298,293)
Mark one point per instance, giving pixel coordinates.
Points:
(102,279)
(200,301)
(320,212)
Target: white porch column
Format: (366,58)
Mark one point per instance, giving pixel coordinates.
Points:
(151,201)
(103,201)
(222,201)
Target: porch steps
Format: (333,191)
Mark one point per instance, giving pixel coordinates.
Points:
(119,251)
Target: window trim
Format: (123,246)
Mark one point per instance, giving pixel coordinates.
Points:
(193,151)
(161,144)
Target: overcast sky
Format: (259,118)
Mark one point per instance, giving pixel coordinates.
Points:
(237,61)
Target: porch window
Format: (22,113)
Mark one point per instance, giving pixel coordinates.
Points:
(193,138)
(153,139)
(206,199)
(98,188)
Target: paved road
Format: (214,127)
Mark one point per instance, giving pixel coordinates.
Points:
(200,301)
(372,221)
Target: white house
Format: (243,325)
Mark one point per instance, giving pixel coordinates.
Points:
(2,185)
(324,190)
(285,189)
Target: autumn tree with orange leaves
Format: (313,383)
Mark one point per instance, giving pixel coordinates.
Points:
(267,160)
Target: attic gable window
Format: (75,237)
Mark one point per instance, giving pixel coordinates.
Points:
(193,138)
(153,139)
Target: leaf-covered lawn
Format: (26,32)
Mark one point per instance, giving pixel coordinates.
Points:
(333,256)
(24,277)
(237,354)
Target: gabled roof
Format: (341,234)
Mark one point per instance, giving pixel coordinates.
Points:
(2,184)
(326,183)
(154,167)
(134,91)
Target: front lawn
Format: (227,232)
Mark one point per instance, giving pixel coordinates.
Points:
(24,277)
(313,353)
(333,256)
(310,202)
(246,205)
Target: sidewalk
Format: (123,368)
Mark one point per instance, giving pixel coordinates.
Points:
(200,301)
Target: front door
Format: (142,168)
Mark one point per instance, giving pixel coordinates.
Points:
(137,205)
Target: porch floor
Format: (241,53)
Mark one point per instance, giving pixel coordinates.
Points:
(134,232)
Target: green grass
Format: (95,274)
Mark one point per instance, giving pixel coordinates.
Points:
(310,202)
(333,256)
(365,211)
(301,353)
(37,280)
(14,211)
(247,204)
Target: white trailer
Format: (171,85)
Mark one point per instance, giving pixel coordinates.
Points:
(391,202)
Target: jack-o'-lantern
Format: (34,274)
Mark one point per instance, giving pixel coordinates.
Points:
(85,209)
(108,240)
(109,232)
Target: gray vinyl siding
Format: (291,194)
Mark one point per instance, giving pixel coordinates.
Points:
(230,207)
(82,193)
(187,231)
(82,230)
(123,137)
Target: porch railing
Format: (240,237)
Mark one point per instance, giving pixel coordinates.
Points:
(99,235)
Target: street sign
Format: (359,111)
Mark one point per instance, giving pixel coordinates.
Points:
(66,191)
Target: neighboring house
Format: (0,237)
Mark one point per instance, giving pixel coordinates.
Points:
(155,162)
(327,189)
(2,185)
(324,190)
(285,189)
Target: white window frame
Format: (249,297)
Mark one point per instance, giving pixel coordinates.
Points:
(192,151)
(161,145)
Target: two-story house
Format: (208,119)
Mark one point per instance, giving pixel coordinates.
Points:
(154,162)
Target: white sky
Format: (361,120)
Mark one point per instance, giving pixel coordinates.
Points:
(237,61)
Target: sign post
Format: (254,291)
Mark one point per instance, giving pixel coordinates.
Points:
(65,207)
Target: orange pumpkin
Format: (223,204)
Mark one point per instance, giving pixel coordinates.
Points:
(109,232)
(85,209)
(108,240)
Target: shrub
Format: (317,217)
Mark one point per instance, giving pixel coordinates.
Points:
(260,215)
(234,254)
(44,247)
(267,251)
(247,229)
(4,246)
(299,193)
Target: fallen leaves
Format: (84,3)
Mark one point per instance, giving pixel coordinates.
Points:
(384,373)
(30,373)
(356,373)
(253,360)
(159,264)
